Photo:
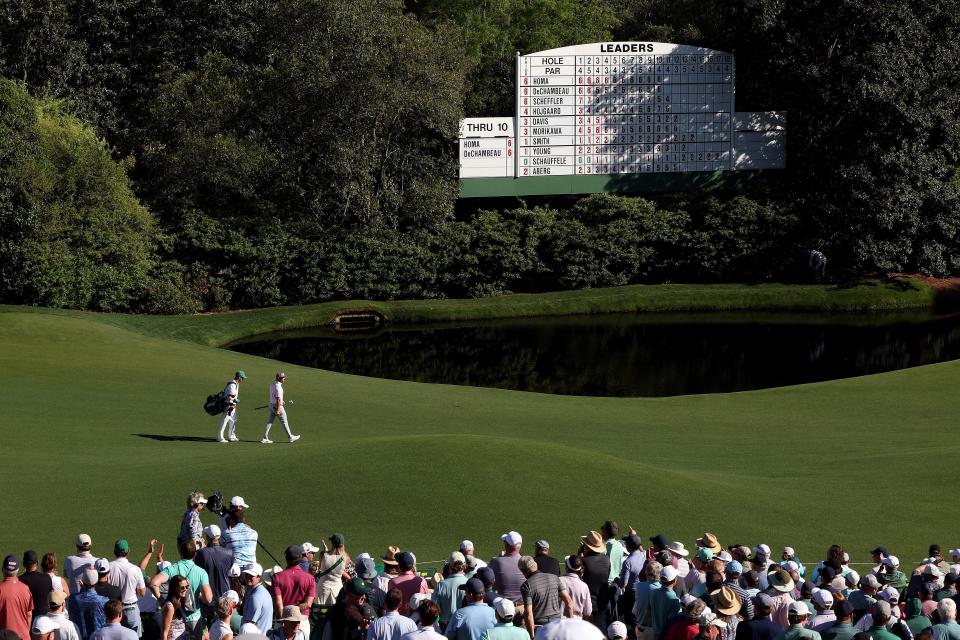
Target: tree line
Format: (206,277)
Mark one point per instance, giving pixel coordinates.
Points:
(219,154)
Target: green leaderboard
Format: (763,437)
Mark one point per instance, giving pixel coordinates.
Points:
(618,183)
(619,117)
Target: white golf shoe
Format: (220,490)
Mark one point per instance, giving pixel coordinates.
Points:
(266,441)
(294,438)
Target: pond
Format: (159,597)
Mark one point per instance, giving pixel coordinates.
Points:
(629,354)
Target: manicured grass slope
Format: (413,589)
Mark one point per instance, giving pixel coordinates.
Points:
(102,419)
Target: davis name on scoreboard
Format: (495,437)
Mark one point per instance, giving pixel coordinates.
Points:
(622,108)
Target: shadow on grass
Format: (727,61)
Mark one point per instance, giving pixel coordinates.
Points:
(165,438)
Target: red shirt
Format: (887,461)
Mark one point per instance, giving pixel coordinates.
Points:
(686,629)
(294,585)
(16,605)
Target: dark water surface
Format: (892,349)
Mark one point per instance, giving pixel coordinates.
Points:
(629,354)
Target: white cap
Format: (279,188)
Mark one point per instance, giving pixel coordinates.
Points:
(102,565)
(932,570)
(234,571)
(505,608)
(211,531)
(569,629)
(308,547)
(254,569)
(891,561)
(232,596)
(824,598)
(456,556)
(417,598)
(790,565)
(466,545)
(249,627)
(617,631)
(889,594)
(237,501)
(789,551)
(163,564)
(852,578)
(687,598)
(797,608)
(668,574)
(512,538)
(201,500)
(725,556)
(43,624)
(954,553)
(762,548)
(83,539)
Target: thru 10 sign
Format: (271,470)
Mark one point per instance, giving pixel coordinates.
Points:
(632,107)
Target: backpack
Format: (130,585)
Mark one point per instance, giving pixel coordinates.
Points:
(216,403)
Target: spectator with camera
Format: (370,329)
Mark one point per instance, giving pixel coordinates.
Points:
(237,535)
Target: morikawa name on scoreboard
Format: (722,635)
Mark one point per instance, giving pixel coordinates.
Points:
(622,107)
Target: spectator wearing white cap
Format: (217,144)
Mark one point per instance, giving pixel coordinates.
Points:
(505,568)
(545,562)
(190,526)
(307,549)
(505,629)
(467,549)
(57,612)
(448,595)
(863,598)
(948,629)
(825,616)
(391,625)
(954,567)
(569,629)
(43,628)
(664,602)
(257,605)
(577,588)
(797,617)
(104,588)
(216,560)
(74,565)
(85,608)
(617,631)
(890,574)
(788,554)
(237,535)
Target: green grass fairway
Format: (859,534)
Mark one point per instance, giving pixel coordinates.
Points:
(104,433)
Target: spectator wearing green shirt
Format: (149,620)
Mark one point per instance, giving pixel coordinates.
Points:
(843,628)
(914,618)
(448,595)
(891,576)
(609,531)
(949,589)
(797,616)
(881,615)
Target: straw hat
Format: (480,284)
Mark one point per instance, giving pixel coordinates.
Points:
(709,541)
(726,601)
(594,542)
(390,557)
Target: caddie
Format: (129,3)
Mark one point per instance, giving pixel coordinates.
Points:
(231,391)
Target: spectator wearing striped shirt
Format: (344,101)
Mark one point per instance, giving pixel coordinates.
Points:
(237,536)
(733,571)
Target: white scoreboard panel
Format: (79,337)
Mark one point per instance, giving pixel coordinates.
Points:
(487,147)
(624,107)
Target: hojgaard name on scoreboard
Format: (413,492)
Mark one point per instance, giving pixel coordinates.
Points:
(620,108)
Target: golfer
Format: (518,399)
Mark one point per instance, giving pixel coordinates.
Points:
(230,411)
(276,409)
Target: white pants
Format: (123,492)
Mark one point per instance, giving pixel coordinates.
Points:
(283,421)
(229,418)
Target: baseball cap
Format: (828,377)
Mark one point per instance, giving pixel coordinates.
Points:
(725,556)
(570,629)
(617,631)
(237,501)
(824,598)
(307,547)
(466,545)
(798,609)
(668,574)
(827,573)
(734,567)
(57,598)
(89,576)
(889,594)
(932,570)
(357,586)
(29,557)
(10,563)
(211,531)
(456,556)
(870,580)
(121,546)
(281,374)
(487,575)
(293,553)
(634,540)
(789,551)
(852,578)
(505,608)
(762,600)
(254,569)
(526,563)
(240,374)
(366,569)
(43,624)
(83,540)
(762,548)
(405,559)
(955,553)
(337,540)
(163,564)
(102,565)
(542,544)
(512,538)
(882,607)
(891,561)
(843,609)
(232,596)
(705,554)
(474,586)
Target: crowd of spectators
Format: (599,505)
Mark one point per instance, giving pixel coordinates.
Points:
(613,587)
